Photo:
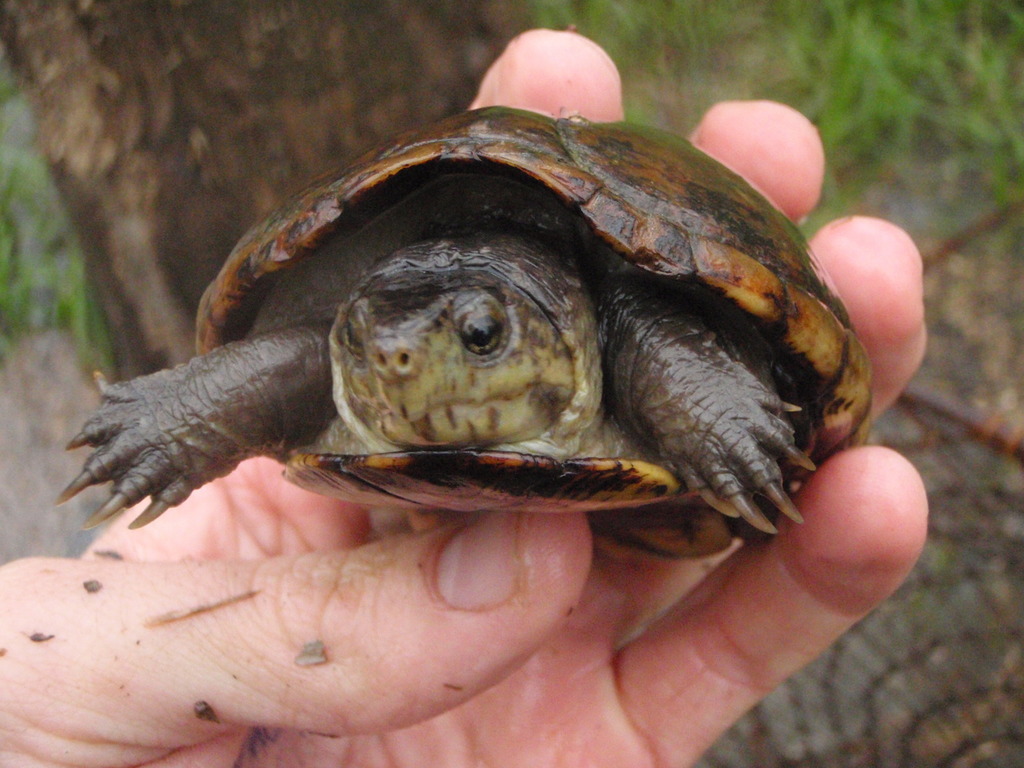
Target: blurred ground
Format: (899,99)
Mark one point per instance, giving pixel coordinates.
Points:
(43,396)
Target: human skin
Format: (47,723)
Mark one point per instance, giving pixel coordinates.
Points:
(506,642)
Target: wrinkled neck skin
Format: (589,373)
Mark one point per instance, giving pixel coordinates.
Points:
(482,341)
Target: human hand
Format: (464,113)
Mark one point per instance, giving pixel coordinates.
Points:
(503,644)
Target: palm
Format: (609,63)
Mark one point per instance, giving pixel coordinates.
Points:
(562,704)
(564,701)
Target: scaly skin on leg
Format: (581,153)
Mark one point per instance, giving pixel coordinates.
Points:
(166,434)
(680,387)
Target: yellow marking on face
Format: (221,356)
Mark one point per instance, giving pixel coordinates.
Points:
(476,366)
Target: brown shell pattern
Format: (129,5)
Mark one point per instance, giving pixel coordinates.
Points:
(655,199)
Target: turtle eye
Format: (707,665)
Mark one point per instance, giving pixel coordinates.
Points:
(481,324)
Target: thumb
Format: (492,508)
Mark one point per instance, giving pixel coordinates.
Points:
(409,627)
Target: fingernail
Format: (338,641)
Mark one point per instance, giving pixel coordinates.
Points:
(478,567)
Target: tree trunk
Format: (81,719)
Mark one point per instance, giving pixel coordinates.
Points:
(172,126)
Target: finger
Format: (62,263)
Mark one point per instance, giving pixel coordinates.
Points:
(410,626)
(770,610)
(876,268)
(554,72)
(773,146)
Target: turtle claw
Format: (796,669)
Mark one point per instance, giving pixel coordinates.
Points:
(147,443)
(731,490)
(717,503)
(117,503)
(76,486)
(77,441)
(156,508)
(101,382)
(739,505)
(782,501)
(801,459)
(748,511)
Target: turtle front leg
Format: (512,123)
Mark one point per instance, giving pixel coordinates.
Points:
(168,433)
(701,399)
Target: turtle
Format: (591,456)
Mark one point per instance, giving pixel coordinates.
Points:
(509,311)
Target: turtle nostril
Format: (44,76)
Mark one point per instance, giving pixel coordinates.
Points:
(394,361)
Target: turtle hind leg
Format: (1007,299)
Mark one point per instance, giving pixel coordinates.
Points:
(168,433)
(700,395)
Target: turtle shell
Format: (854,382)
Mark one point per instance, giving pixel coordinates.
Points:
(652,197)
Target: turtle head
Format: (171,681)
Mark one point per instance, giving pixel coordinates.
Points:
(445,343)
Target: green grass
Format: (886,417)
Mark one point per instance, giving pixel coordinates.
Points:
(919,77)
(42,278)
(893,85)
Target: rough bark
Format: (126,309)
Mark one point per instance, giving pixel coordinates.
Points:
(172,126)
